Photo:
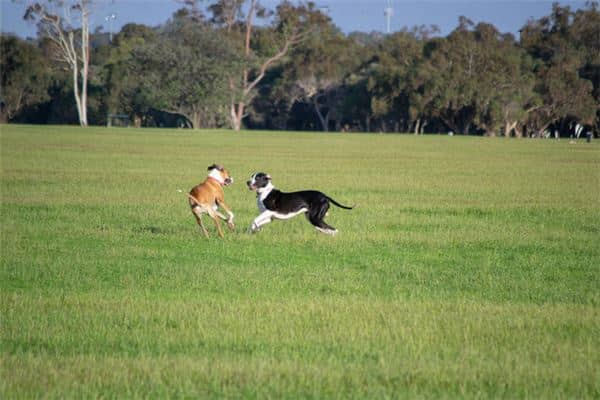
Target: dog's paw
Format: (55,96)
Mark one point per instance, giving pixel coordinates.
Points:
(331,232)
(253,229)
(231,225)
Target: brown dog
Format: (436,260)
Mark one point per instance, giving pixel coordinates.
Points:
(206,197)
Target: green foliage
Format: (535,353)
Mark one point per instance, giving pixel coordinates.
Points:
(568,77)
(187,70)
(469,268)
(122,85)
(292,68)
(24,76)
(396,85)
(315,72)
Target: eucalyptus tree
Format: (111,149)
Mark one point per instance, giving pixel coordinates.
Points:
(458,62)
(505,83)
(476,80)
(24,76)
(356,104)
(186,70)
(315,73)
(66,24)
(261,49)
(567,55)
(585,33)
(396,82)
(122,85)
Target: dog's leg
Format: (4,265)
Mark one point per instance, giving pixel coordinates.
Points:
(197,211)
(316,218)
(229,220)
(224,218)
(213,214)
(328,231)
(321,226)
(262,219)
(204,230)
(228,210)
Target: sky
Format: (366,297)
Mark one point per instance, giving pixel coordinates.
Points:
(348,15)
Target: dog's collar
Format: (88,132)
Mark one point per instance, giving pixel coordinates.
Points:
(216,180)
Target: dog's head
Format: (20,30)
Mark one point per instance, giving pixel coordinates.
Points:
(259,181)
(220,174)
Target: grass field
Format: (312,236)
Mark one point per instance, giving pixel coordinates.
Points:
(469,269)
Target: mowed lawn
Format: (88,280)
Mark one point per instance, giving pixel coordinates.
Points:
(469,269)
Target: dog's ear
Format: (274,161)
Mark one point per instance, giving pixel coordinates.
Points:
(215,166)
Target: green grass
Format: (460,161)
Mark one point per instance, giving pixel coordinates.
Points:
(469,269)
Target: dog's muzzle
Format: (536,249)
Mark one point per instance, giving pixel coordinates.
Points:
(250,185)
(228,181)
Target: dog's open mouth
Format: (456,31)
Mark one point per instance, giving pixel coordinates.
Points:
(250,186)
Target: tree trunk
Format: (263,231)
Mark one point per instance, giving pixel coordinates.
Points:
(85,60)
(466,129)
(322,119)
(542,129)
(237,114)
(75,71)
(417,125)
(54,27)
(196,119)
(80,93)
(248,85)
(508,127)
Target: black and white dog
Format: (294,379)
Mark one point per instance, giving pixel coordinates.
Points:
(274,204)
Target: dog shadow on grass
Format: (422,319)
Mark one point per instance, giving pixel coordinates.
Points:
(153,230)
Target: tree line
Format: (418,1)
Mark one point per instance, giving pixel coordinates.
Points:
(236,64)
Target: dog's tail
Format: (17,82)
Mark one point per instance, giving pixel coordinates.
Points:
(189,196)
(340,205)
